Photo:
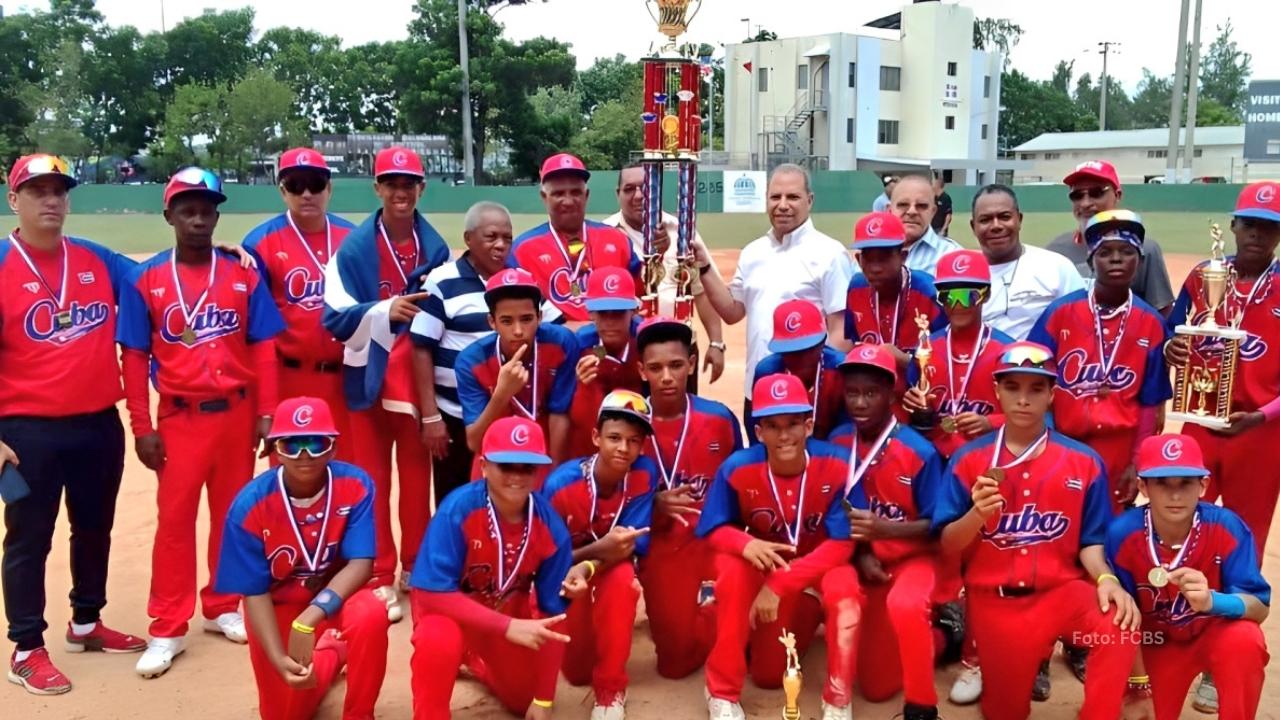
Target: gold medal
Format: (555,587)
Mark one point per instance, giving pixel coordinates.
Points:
(949,424)
(64,320)
(600,352)
(188,336)
(1158,576)
(575,289)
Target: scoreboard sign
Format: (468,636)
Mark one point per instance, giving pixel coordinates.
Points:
(1262,122)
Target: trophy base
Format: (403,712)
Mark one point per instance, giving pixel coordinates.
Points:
(923,420)
(1209,421)
(1226,333)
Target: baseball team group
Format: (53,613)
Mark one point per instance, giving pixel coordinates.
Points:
(943,454)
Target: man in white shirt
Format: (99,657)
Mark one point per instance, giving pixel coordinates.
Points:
(915,205)
(791,261)
(629,220)
(1024,279)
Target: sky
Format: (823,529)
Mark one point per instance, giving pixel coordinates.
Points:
(1053,30)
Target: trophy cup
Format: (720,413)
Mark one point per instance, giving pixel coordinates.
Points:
(1202,386)
(926,419)
(791,678)
(672,134)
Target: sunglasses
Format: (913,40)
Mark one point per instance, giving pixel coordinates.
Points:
(626,401)
(47,164)
(1094,193)
(199,177)
(962,297)
(292,448)
(300,182)
(1024,356)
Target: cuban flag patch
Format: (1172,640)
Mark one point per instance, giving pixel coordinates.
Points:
(1075,484)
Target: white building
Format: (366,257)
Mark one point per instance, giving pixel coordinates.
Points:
(1139,155)
(905,92)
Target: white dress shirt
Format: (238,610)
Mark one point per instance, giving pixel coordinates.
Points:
(923,255)
(1023,288)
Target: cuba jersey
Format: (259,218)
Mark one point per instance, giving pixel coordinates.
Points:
(900,485)
(270,544)
(58,331)
(1103,383)
(571,491)
(549,361)
(826,390)
(1219,545)
(460,552)
(292,265)
(1055,504)
(868,320)
(612,373)
(562,277)
(803,510)
(209,353)
(959,382)
(1257,379)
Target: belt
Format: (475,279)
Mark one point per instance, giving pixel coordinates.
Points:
(1013,591)
(324,366)
(216,405)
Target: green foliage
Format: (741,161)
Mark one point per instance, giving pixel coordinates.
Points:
(1224,74)
(1033,107)
(213,49)
(996,34)
(609,79)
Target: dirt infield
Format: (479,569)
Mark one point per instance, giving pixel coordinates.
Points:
(213,678)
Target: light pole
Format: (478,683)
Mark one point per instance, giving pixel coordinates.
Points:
(468,159)
(1106,46)
(1193,87)
(748,22)
(1175,102)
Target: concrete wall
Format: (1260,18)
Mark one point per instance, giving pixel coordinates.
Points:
(1137,164)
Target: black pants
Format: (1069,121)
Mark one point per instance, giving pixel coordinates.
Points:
(82,455)
(454,470)
(749,423)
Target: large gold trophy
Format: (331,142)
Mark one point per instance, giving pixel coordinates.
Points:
(791,678)
(1202,386)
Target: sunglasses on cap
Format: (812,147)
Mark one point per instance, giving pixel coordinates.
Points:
(200,177)
(1093,193)
(296,183)
(962,297)
(292,448)
(47,164)
(626,401)
(1027,356)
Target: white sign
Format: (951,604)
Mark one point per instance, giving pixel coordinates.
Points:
(744,191)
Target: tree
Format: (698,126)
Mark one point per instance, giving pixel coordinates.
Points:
(213,48)
(608,79)
(1151,101)
(195,111)
(1088,96)
(613,134)
(19,75)
(1224,73)
(259,118)
(122,106)
(762,35)
(309,63)
(1033,107)
(994,34)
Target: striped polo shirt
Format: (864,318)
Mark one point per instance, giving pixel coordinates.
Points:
(455,316)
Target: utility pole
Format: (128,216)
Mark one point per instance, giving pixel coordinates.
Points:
(1106,46)
(1175,102)
(1193,83)
(468,158)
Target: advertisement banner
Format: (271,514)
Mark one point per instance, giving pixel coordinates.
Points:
(744,191)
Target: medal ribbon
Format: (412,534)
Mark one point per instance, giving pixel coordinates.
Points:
(1151,541)
(591,487)
(61,296)
(793,529)
(1249,299)
(312,560)
(897,308)
(984,334)
(189,316)
(507,576)
(532,411)
(1023,457)
(563,247)
(856,470)
(1109,361)
(669,477)
(328,242)
(395,259)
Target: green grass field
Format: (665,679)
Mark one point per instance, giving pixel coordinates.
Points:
(1177,232)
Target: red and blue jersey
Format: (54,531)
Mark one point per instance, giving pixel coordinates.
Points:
(1133,372)
(292,265)
(1220,546)
(269,541)
(742,496)
(828,407)
(917,295)
(948,392)
(1257,379)
(551,382)
(214,359)
(51,370)
(900,485)
(570,490)
(612,373)
(544,255)
(1055,504)
(460,551)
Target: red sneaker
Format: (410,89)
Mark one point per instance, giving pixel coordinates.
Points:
(37,674)
(103,639)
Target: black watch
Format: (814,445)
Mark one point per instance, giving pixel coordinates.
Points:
(704,269)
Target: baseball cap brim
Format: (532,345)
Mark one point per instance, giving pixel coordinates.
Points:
(400,171)
(782,410)
(313,168)
(1174,471)
(1079,175)
(1259,213)
(585,175)
(973,284)
(67,180)
(878,243)
(217,197)
(851,364)
(797,343)
(1026,371)
(604,304)
(506,292)
(517,457)
(301,433)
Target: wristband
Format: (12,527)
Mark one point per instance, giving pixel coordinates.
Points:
(704,269)
(591,569)
(432,419)
(542,703)
(1226,605)
(304,629)
(328,601)
(1139,679)
(1104,576)
(718,345)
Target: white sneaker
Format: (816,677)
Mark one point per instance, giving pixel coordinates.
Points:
(968,687)
(159,655)
(721,709)
(388,595)
(615,710)
(831,712)
(229,625)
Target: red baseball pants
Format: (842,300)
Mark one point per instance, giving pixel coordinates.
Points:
(375,431)
(600,625)
(1015,634)
(1234,651)
(672,575)
(1116,449)
(1240,475)
(363,625)
(213,449)
(895,643)
(737,584)
(309,382)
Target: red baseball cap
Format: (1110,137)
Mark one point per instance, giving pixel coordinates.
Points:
(779,394)
(662,324)
(611,288)
(1259,200)
(512,282)
(301,158)
(1026,357)
(396,160)
(963,267)
(563,163)
(1094,170)
(194,180)
(301,416)
(872,355)
(797,325)
(879,230)
(29,167)
(515,440)
(1170,455)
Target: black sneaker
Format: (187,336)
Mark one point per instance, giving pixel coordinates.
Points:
(950,620)
(919,712)
(1040,690)
(1076,658)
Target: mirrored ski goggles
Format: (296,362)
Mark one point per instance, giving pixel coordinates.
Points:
(962,297)
(198,177)
(292,448)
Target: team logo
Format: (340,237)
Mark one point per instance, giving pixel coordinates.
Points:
(157,292)
(1252,348)
(1266,194)
(961,264)
(86,278)
(520,435)
(303,290)
(610,248)
(304,158)
(1090,165)
(1027,527)
(867,353)
(566,162)
(778,391)
(1075,484)
(31,287)
(874,226)
(303,415)
(210,323)
(765,523)
(240,287)
(560,287)
(792,323)
(399,158)
(1081,378)
(612,284)
(510,277)
(41,322)
(1166,604)
(1172,450)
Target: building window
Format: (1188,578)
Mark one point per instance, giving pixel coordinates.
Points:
(802,77)
(1157,153)
(984,131)
(762,79)
(890,77)
(986,86)
(949,122)
(888,132)
(853,74)
(1028,156)
(848,130)
(1052,156)
(952,69)
(1273,147)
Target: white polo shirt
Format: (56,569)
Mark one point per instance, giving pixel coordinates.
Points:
(1023,288)
(667,287)
(804,264)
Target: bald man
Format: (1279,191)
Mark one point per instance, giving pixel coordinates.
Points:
(913,201)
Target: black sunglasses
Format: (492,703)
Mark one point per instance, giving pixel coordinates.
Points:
(298,183)
(1094,193)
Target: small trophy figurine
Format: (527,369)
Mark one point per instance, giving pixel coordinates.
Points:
(792,678)
(926,419)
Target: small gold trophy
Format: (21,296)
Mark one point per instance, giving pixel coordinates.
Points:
(671,16)
(1203,385)
(926,419)
(791,679)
